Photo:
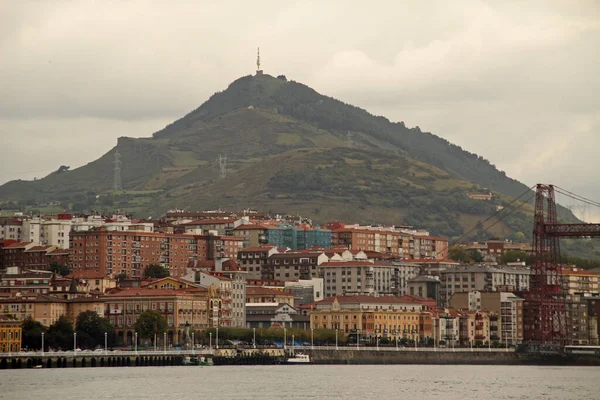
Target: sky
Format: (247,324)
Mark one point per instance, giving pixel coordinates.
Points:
(517,82)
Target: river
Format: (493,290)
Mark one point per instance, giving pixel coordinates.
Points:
(351,382)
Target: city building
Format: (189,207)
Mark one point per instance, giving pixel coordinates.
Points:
(305,291)
(10,228)
(273,315)
(357,277)
(10,334)
(42,308)
(257,294)
(253,235)
(492,249)
(294,265)
(254,259)
(131,252)
(425,286)
(507,306)
(483,278)
(179,307)
(368,317)
(474,328)
(383,241)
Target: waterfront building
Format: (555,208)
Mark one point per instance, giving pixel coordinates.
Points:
(275,315)
(123,307)
(10,334)
(506,307)
(370,317)
(425,286)
(42,308)
(475,328)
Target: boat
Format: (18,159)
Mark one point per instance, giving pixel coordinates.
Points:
(194,360)
(299,358)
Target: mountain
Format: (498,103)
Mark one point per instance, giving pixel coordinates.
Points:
(290,149)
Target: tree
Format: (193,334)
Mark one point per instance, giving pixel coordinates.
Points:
(60,334)
(150,322)
(459,254)
(514,256)
(32,333)
(91,327)
(121,276)
(156,271)
(60,269)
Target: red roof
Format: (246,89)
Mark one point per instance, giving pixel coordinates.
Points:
(87,274)
(39,248)
(257,249)
(354,264)
(133,292)
(258,290)
(18,245)
(364,299)
(58,252)
(231,266)
(211,221)
(249,227)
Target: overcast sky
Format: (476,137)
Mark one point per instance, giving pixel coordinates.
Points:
(517,82)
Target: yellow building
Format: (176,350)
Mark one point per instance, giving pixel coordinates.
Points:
(370,316)
(10,334)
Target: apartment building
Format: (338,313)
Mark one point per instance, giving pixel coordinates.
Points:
(356,277)
(131,252)
(475,328)
(294,265)
(257,294)
(506,306)
(483,278)
(254,259)
(382,241)
(10,228)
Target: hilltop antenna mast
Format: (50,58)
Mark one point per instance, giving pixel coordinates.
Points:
(223,166)
(258,70)
(117,172)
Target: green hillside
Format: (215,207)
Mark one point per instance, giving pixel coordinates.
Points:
(288,150)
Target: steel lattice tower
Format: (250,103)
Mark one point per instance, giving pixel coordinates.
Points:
(117,172)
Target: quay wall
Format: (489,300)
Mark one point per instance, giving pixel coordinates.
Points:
(320,356)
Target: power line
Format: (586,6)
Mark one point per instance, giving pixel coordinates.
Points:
(492,216)
(576,196)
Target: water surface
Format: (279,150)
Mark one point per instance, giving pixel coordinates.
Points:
(353,382)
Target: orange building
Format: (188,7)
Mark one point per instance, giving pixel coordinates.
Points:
(385,242)
(10,334)
(130,253)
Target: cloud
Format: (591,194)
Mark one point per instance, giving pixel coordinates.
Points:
(514,81)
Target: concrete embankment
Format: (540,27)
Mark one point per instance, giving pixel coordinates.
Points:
(482,357)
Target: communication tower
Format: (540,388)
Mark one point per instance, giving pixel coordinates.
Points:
(117,172)
(258,70)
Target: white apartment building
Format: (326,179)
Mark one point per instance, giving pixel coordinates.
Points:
(484,278)
(357,278)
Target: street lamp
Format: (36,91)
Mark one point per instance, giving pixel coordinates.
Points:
(293,344)
(105,343)
(217,338)
(136,343)
(357,339)
(210,340)
(42,344)
(193,343)
(74,342)
(312,338)
(155,341)
(9,344)
(284,338)
(336,339)
(165,342)
(253,338)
